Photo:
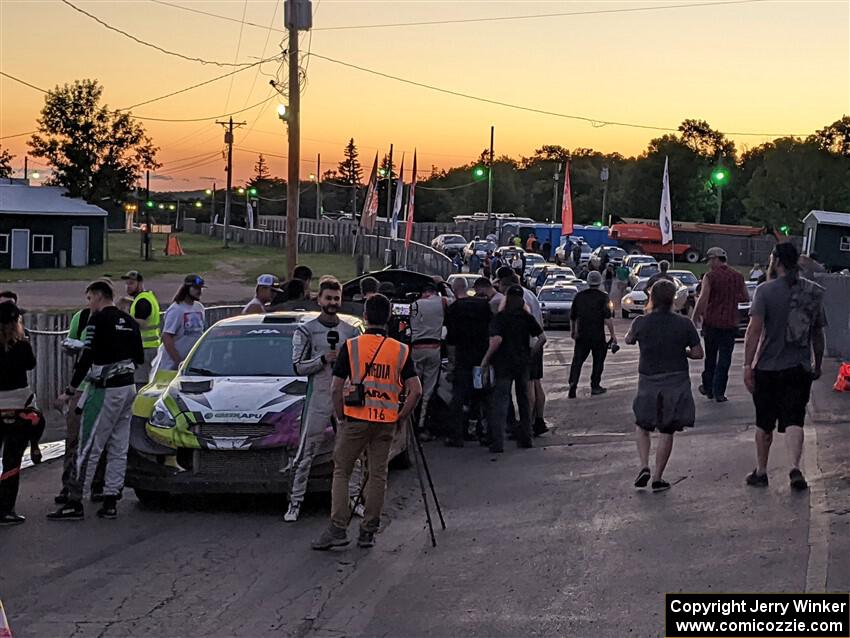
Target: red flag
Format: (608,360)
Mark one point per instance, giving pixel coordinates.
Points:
(408,218)
(567,206)
(370,204)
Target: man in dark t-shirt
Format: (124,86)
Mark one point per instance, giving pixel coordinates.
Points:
(589,316)
(510,352)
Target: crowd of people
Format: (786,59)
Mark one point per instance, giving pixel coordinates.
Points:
(366,384)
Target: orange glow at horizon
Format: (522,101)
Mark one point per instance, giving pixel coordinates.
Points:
(742,67)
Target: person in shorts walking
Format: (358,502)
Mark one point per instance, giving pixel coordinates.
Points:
(664,400)
(785,335)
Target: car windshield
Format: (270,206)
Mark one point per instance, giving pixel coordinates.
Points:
(453,239)
(260,350)
(484,245)
(641,286)
(647,270)
(686,277)
(557,295)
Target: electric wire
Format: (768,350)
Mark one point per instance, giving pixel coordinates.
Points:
(236,55)
(149,44)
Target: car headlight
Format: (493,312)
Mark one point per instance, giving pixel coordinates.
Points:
(161,417)
(627,301)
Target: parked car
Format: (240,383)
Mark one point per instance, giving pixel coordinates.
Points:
(556,301)
(231,415)
(744,309)
(533,259)
(630,261)
(690,281)
(634,302)
(615,254)
(642,272)
(449,244)
(531,275)
(556,278)
(563,252)
(478,246)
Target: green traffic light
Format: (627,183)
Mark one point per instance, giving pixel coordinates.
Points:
(598,224)
(253,191)
(479,172)
(719,176)
(785,230)
(149,204)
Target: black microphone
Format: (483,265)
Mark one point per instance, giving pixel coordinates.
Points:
(333,339)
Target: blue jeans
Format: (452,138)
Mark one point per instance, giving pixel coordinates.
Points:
(719,344)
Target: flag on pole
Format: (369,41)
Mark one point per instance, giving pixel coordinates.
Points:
(399,194)
(408,218)
(370,203)
(567,206)
(665,215)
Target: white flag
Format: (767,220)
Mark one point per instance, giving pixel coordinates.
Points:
(665,216)
(250,210)
(399,193)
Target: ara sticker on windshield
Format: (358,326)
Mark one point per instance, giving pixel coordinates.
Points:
(263,331)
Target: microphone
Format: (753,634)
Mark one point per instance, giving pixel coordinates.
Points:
(333,339)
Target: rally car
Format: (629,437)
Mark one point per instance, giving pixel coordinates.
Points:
(229,420)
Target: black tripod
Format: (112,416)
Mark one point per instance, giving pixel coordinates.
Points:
(421,463)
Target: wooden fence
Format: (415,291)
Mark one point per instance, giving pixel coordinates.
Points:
(53,367)
(319,236)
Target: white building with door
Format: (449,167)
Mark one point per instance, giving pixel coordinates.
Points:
(40,227)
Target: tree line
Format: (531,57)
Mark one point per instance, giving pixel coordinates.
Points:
(99,154)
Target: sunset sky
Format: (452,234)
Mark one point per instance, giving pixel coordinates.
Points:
(764,66)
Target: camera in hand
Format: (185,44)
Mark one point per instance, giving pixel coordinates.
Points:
(613,346)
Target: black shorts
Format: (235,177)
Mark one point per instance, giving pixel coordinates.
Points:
(535,366)
(781,396)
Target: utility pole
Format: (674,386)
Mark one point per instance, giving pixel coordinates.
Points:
(147,216)
(228,139)
(555,193)
(603,175)
(26,167)
(490,177)
(298,15)
(318,186)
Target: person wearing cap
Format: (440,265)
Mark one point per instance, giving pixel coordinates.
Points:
(267,287)
(427,315)
(589,316)
(145,310)
(723,288)
(183,324)
(113,349)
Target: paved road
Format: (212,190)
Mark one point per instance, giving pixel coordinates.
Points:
(547,541)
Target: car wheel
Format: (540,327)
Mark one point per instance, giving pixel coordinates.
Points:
(151,499)
(692,256)
(625,314)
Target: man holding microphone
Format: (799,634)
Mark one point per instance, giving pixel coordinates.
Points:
(315,346)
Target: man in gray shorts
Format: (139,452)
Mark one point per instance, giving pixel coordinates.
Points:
(786,329)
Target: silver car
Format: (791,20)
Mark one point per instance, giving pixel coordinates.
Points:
(556,302)
(634,303)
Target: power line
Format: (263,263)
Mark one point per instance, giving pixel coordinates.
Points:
(448,188)
(536,16)
(236,55)
(8,137)
(595,122)
(145,43)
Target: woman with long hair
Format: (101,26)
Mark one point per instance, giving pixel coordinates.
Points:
(664,399)
(18,419)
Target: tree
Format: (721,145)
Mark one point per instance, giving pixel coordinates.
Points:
(6,163)
(351,172)
(95,153)
(703,140)
(834,138)
(261,169)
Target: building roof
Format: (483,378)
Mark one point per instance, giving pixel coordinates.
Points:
(825,217)
(21,199)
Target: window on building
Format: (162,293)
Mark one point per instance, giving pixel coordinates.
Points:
(845,244)
(42,244)
(4,243)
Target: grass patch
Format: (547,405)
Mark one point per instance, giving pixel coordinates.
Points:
(203,255)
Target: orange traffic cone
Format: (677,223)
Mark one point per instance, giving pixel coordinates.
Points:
(173,247)
(5,630)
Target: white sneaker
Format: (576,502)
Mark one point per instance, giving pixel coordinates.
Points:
(359,510)
(292,513)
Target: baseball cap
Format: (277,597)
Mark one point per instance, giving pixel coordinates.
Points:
(715,251)
(594,279)
(194,280)
(135,275)
(269,280)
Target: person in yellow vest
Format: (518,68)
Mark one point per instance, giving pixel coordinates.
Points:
(145,310)
(370,376)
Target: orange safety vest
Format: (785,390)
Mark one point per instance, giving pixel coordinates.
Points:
(382,383)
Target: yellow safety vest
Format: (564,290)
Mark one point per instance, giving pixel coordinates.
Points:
(150,335)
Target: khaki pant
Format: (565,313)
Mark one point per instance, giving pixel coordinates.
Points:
(426,361)
(352,438)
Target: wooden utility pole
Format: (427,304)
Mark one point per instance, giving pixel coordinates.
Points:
(490,177)
(147,239)
(228,139)
(318,186)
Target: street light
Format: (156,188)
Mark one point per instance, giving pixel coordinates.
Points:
(35,174)
(479,172)
(719,177)
(282,112)
(198,204)
(208,191)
